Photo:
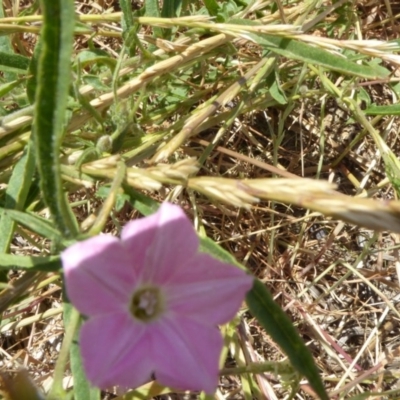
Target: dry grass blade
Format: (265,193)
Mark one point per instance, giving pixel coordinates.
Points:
(226,117)
(314,195)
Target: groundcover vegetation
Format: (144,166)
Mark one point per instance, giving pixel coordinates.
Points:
(199,199)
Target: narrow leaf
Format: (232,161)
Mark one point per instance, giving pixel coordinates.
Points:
(152,9)
(274,320)
(127,15)
(208,245)
(16,194)
(141,202)
(13,62)
(278,325)
(392,109)
(50,263)
(212,7)
(51,102)
(7,87)
(34,223)
(82,389)
(294,49)
(171,8)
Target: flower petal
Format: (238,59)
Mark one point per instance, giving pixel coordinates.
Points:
(208,290)
(186,354)
(115,351)
(99,275)
(169,239)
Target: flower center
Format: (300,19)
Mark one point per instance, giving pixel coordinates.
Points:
(146,304)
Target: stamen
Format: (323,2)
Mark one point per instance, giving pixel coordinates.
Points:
(146,304)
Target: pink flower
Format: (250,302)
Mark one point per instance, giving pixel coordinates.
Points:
(153,303)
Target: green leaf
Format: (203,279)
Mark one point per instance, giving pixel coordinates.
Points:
(152,9)
(142,203)
(16,194)
(212,7)
(13,62)
(208,245)
(95,81)
(47,264)
(82,389)
(294,49)
(53,80)
(7,87)
(392,109)
(297,50)
(278,325)
(171,8)
(121,198)
(274,320)
(34,223)
(275,90)
(127,15)
(89,57)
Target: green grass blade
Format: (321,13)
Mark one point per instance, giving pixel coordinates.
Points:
(50,107)
(16,194)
